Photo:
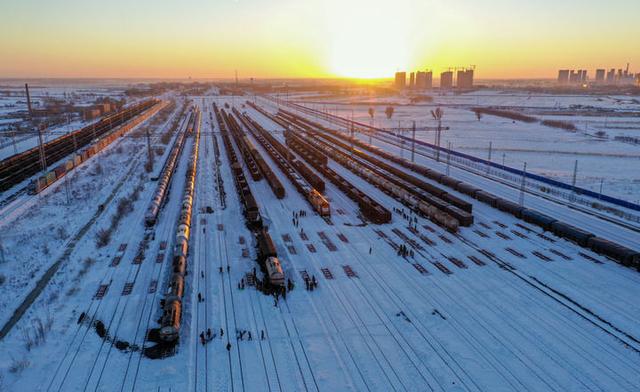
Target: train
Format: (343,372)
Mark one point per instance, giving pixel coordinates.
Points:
(23,165)
(268,258)
(621,254)
(300,175)
(453,212)
(398,188)
(170,320)
(46,180)
(251,212)
(369,208)
(164,181)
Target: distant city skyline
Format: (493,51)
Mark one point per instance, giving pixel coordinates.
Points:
(314,38)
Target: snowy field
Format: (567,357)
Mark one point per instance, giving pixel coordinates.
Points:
(566,322)
(547,151)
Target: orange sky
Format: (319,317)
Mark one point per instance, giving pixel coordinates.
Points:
(313,38)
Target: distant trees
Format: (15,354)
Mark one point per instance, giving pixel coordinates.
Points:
(389,112)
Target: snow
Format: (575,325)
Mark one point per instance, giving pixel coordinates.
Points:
(481,328)
(547,151)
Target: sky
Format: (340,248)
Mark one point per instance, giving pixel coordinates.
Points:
(313,38)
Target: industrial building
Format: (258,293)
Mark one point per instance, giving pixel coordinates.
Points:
(600,75)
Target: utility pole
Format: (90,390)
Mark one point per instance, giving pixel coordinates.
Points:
(148,146)
(26,87)
(13,138)
(489,158)
(437,115)
(601,183)
(413,142)
(522,185)
(573,180)
(43,159)
(448,156)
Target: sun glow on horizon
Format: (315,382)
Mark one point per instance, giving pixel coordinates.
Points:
(371,45)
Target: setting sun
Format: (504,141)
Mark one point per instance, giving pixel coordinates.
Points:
(369,46)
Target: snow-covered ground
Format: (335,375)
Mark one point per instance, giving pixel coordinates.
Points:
(506,323)
(547,151)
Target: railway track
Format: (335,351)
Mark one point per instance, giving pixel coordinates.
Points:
(108,279)
(19,167)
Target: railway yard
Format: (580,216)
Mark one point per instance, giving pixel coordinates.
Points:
(274,246)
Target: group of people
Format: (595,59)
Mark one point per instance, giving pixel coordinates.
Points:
(310,283)
(410,217)
(296,217)
(207,336)
(404,251)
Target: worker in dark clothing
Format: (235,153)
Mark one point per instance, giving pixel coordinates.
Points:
(202,338)
(228,268)
(229,346)
(250,338)
(370,249)
(220,269)
(199,297)
(208,333)
(202,274)
(262,334)
(221,332)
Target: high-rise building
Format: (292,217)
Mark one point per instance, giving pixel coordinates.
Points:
(401,80)
(600,75)
(424,80)
(563,76)
(583,76)
(446,79)
(611,76)
(465,78)
(412,80)
(574,77)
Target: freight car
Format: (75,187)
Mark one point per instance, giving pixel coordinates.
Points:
(537,218)
(509,207)
(625,256)
(565,230)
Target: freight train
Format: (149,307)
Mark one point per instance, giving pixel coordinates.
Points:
(21,166)
(253,219)
(41,183)
(167,173)
(268,258)
(421,202)
(299,174)
(172,304)
(370,209)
